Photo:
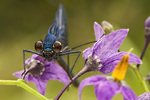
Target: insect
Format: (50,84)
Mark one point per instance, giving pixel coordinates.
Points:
(55,43)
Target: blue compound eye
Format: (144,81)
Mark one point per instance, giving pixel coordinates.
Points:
(38,46)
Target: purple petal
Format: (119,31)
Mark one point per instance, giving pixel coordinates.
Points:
(54,71)
(18,74)
(92,80)
(105,90)
(109,64)
(40,84)
(87,53)
(109,44)
(34,56)
(98,31)
(128,94)
(144,96)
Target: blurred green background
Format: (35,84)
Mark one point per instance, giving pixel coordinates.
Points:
(23,22)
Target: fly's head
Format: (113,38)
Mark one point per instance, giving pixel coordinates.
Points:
(48,50)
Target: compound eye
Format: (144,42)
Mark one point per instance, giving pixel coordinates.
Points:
(57,46)
(38,46)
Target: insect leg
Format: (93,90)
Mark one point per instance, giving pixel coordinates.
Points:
(82,45)
(68,68)
(24,58)
(75,62)
(71,52)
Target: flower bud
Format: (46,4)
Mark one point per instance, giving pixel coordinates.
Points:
(107,27)
(147,29)
(147,38)
(147,22)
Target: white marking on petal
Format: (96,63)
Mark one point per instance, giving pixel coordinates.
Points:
(95,57)
(99,67)
(109,78)
(31,60)
(89,56)
(98,60)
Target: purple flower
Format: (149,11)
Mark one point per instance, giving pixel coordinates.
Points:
(106,89)
(105,51)
(41,71)
(144,96)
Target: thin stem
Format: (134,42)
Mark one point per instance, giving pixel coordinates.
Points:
(143,52)
(140,77)
(84,70)
(21,83)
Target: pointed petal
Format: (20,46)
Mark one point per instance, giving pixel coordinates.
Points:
(105,90)
(92,80)
(128,93)
(40,84)
(109,44)
(87,53)
(109,64)
(98,31)
(54,71)
(19,73)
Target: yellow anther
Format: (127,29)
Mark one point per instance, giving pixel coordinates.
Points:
(121,68)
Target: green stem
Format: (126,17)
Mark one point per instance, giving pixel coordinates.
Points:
(140,77)
(21,83)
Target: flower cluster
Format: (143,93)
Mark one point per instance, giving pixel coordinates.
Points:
(103,56)
(105,51)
